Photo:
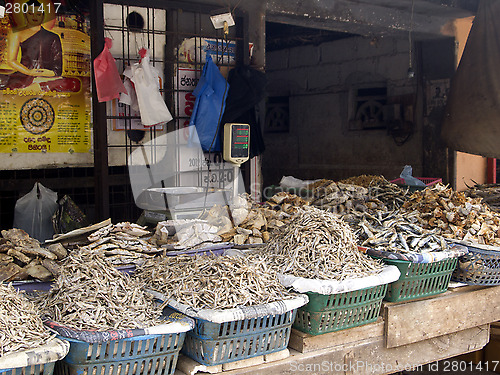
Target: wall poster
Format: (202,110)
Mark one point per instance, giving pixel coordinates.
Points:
(45,100)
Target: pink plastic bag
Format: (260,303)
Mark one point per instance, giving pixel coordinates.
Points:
(107,79)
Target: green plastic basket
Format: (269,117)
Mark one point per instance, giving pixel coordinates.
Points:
(334,312)
(419,279)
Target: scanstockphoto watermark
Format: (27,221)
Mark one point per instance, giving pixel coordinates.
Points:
(351,367)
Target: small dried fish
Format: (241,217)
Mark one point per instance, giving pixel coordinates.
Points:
(396,232)
(90,294)
(21,327)
(214,282)
(318,244)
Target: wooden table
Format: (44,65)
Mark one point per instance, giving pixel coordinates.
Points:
(406,336)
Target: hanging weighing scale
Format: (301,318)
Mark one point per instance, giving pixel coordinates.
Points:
(236,143)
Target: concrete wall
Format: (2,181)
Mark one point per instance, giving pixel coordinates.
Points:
(318,81)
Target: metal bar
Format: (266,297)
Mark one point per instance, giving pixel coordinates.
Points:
(99,117)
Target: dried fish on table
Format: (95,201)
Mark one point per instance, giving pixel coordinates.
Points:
(90,294)
(454,215)
(214,282)
(26,255)
(318,244)
(122,239)
(490,194)
(338,197)
(21,327)
(397,232)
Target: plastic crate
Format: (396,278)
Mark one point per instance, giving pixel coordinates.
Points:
(141,355)
(43,369)
(217,343)
(478,267)
(334,312)
(419,279)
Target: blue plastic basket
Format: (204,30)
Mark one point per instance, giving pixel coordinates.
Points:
(216,343)
(478,267)
(141,355)
(44,369)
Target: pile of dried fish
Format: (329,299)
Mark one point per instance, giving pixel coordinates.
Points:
(317,244)
(343,199)
(21,327)
(121,243)
(213,282)
(490,194)
(90,294)
(365,180)
(395,232)
(454,215)
(22,257)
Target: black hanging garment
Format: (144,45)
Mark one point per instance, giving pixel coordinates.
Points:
(247,87)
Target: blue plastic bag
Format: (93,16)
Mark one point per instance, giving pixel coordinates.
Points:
(211,93)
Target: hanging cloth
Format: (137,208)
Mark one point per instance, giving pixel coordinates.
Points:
(473,108)
(145,79)
(210,93)
(107,79)
(248,88)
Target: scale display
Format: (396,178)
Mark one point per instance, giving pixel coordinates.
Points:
(236,143)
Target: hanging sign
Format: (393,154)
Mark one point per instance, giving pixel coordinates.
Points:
(45,99)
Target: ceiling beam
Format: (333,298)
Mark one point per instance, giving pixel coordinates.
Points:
(366,17)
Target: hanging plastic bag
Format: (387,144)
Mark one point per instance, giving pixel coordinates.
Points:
(406,175)
(33,212)
(145,78)
(107,79)
(211,93)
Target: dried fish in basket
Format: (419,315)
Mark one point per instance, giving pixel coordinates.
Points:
(397,232)
(21,327)
(90,294)
(318,245)
(212,282)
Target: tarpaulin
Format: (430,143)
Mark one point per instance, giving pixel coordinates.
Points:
(211,93)
(472,116)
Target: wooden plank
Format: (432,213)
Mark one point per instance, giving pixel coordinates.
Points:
(304,342)
(452,311)
(373,357)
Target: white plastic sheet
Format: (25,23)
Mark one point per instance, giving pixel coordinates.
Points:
(51,352)
(239,313)
(300,284)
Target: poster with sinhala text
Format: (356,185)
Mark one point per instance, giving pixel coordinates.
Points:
(45,99)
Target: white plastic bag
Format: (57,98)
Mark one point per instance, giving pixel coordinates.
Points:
(33,212)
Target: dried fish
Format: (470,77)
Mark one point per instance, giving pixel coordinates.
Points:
(24,251)
(398,232)
(21,327)
(214,282)
(90,294)
(454,215)
(318,244)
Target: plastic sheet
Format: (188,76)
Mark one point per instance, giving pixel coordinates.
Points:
(175,323)
(239,313)
(300,284)
(51,352)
